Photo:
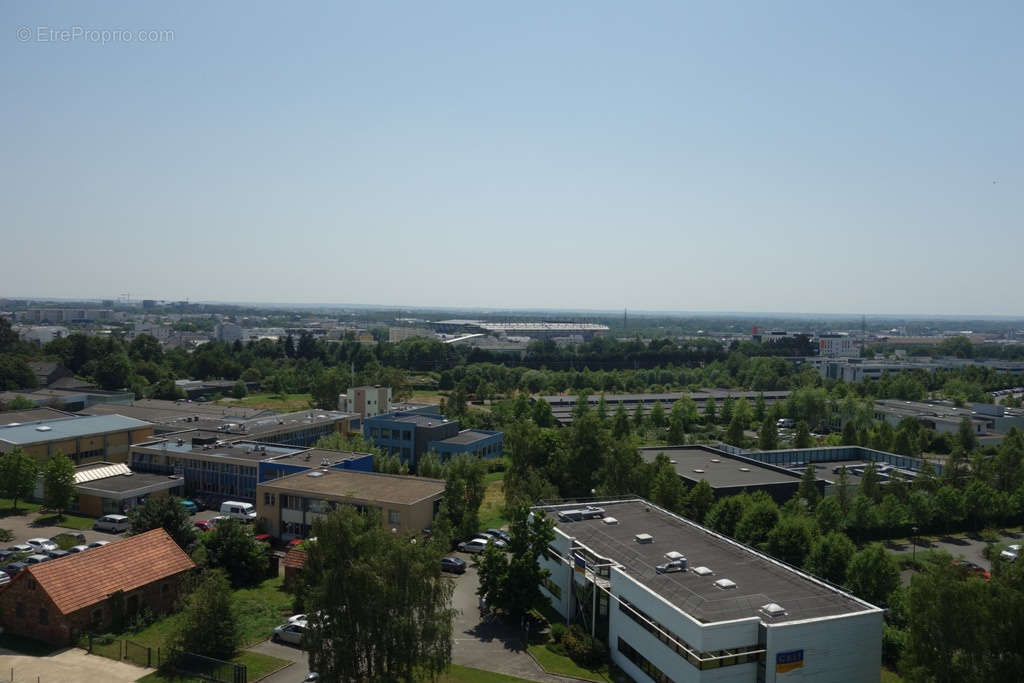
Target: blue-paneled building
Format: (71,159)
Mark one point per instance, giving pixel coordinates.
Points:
(408,435)
(479,442)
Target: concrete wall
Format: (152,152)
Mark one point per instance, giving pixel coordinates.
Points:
(838,650)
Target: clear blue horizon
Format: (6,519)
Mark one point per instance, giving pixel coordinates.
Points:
(677,157)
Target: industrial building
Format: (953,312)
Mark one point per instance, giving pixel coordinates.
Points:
(290,505)
(533,330)
(365,401)
(105,488)
(479,442)
(729,474)
(83,439)
(563,406)
(408,435)
(730,614)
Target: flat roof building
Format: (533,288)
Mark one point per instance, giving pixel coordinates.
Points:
(563,406)
(289,505)
(479,442)
(732,614)
(408,435)
(83,439)
(104,488)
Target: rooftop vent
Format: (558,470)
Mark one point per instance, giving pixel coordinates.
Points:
(315,473)
(715,460)
(744,469)
(43,428)
(725,584)
(699,471)
(773,609)
(644,538)
(674,555)
(610,520)
(702,571)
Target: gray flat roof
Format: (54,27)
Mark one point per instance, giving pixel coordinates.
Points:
(314,456)
(137,480)
(242,450)
(759,579)
(718,468)
(32,415)
(467,436)
(420,420)
(366,486)
(65,428)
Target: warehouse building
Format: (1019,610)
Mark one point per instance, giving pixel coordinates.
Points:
(563,406)
(83,439)
(481,443)
(731,614)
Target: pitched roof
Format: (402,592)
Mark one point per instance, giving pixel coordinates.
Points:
(88,578)
(295,558)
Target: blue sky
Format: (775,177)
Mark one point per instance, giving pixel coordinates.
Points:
(793,156)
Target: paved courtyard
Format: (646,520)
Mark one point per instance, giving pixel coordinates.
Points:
(66,666)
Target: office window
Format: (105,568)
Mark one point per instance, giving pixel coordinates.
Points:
(394,517)
(268,499)
(407,435)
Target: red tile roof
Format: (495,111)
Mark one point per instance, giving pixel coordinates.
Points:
(89,577)
(295,558)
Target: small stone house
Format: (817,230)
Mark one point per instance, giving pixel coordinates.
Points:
(58,601)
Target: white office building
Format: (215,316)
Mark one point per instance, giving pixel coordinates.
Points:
(728,612)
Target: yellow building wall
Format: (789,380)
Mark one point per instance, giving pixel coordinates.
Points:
(90,506)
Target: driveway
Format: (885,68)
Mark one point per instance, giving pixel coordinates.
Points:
(67,666)
(488,644)
(25,527)
(290,674)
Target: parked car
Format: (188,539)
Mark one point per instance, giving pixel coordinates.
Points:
(501,535)
(5,553)
(203,524)
(190,507)
(4,578)
(455,565)
(98,544)
(57,554)
(262,538)
(14,568)
(41,545)
(78,548)
(972,569)
(290,633)
(304,618)
(38,558)
(1011,553)
(476,545)
(21,548)
(294,542)
(243,512)
(311,677)
(114,524)
(670,567)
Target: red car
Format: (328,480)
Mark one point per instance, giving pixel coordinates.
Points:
(203,524)
(294,542)
(263,538)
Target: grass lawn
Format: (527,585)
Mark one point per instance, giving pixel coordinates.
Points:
(558,664)
(492,510)
(70,521)
(426,396)
(6,509)
(890,676)
(260,609)
(494,476)
(257,666)
(285,403)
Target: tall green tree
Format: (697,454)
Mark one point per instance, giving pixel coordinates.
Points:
(758,520)
(231,546)
(808,489)
(830,555)
(869,485)
(381,607)
(724,516)
(167,513)
(710,411)
(699,500)
(657,418)
(511,580)
(802,437)
(734,434)
(791,539)
(965,436)
(207,624)
(465,486)
(18,474)
(872,574)
(768,437)
(639,420)
(58,484)
(621,427)
(759,408)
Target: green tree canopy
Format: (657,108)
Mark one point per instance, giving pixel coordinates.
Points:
(58,484)
(167,513)
(872,574)
(231,546)
(207,625)
(830,555)
(18,474)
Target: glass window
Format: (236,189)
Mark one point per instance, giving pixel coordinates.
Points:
(394,517)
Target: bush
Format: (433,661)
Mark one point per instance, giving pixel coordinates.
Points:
(558,632)
(582,649)
(6,536)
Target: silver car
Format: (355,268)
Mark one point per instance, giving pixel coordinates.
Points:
(41,545)
(291,632)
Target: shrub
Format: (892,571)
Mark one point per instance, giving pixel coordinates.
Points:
(6,536)
(558,632)
(582,649)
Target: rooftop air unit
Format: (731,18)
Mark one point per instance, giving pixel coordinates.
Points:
(702,571)
(644,538)
(725,584)
(610,520)
(773,609)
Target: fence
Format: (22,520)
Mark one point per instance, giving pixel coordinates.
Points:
(177,661)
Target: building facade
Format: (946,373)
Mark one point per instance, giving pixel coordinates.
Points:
(366,401)
(408,435)
(481,443)
(105,438)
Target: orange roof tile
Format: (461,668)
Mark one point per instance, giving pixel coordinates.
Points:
(87,578)
(295,558)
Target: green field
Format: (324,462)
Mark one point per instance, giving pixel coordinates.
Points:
(465,674)
(492,511)
(285,403)
(559,664)
(24,507)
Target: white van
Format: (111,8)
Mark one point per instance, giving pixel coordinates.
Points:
(243,512)
(115,524)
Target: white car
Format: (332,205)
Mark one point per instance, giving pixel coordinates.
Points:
(42,545)
(1011,553)
(291,632)
(98,544)
(4,578)
(112,523)
(77,548)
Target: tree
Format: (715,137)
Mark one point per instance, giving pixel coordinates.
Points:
(232,547)
(791,539)
(464,493)
(667,489)
(240,390)
(638,418)
(734,434)
(869,485)
(15,373)
(843,492)
(58,484)
(657,418)
(207,623)
(700,500)
(830,515)
(710,407)
(621,427)
(830,555)
(759,408)
(757,521)
(511,581)
(850,434)
(965,435)
(808,489)
(725,514)
(18,474)
(727,410)
(326,388)
(872,574)
(380,605)
(768,437)
(114,371)
(430,466)
(167,513)
(678,423)
(802,438)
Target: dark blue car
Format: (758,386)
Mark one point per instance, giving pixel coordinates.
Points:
(455,565)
